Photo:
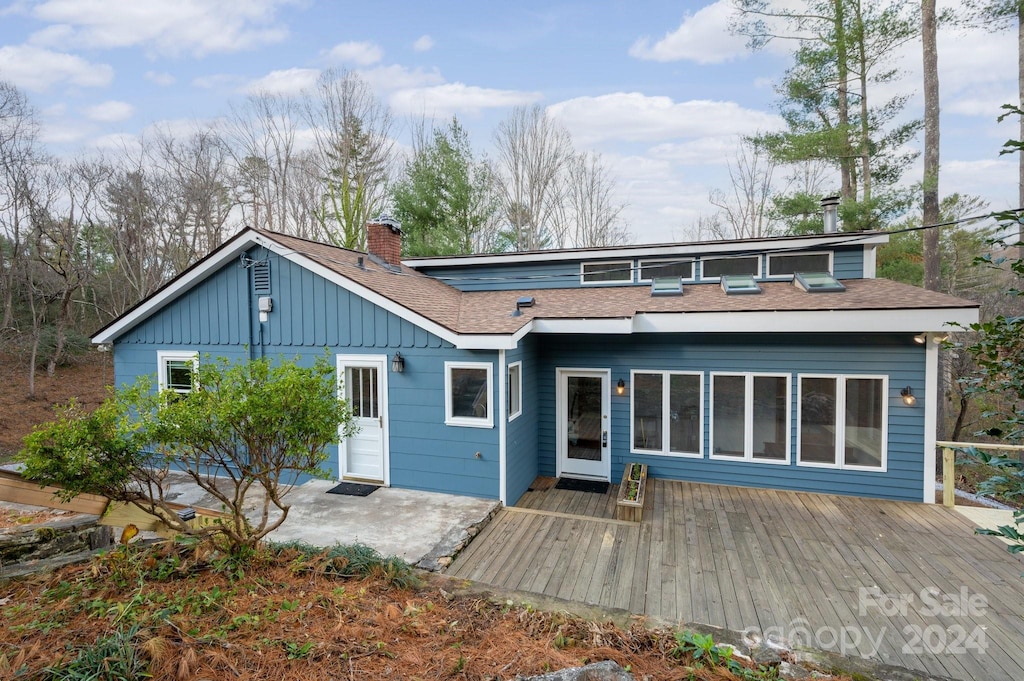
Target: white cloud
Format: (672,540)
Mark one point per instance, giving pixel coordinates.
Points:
(161,79)
(38,69)
(395,77)
(360,53)
(635,117)
(62,133)
(995,179)
(161,27)
(701,151)
(442,100)
(283,82)
(702,37)
(423,44)
(110,112)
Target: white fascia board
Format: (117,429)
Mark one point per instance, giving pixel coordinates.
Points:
(617,326)
(807,321)
(870,261)
(484,341)
(229,251)
(656,251)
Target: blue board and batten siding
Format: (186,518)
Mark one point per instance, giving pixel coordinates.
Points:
(894,356)
(219,317)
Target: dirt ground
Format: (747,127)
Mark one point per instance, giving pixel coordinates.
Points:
(85,382)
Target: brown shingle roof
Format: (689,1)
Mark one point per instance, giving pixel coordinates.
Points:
(490,312)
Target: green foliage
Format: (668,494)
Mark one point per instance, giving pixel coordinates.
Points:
(702,651)
(259,424)
(117,657)
(447,197)
(349,560)
(88,452)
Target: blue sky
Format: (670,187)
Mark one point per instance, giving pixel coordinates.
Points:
(661,89)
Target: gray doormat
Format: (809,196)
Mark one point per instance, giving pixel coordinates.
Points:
(574,485)
(353,489)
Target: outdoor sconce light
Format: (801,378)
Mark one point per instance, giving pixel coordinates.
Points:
(398,363)
(908,396)
(921,338)
(620,387)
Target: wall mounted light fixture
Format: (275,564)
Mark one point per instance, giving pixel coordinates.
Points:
(908,396)
(398,363)
(620,387)
(921,338)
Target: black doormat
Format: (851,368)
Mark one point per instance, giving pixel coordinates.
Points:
(353,489)
(574,485)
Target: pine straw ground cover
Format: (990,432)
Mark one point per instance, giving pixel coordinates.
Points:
(177,611)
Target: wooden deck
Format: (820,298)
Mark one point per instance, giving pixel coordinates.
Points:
(782,563)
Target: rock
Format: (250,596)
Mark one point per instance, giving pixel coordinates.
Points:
(598,671)
(793,672)
(444,561)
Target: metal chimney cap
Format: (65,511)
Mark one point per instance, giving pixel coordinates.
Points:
(829,201)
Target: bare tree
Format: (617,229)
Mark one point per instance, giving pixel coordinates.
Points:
(261,136)
(745,209)
(533,152)
(355,151)
(21,160)
(596,218)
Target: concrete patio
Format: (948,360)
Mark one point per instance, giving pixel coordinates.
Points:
(906,584)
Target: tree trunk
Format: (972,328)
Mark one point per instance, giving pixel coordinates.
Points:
(846,160)
(864,141)
(931,146)
(1020,89)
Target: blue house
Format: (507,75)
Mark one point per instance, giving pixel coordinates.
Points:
(778,362)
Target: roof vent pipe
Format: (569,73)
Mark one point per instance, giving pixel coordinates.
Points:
(830,204)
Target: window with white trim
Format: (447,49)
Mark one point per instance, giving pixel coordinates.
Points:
(467,394)
(750,417)
(785,265)
(176,371)
(716,268)
(842,421)
(617,272)
(515,390)
(658,269)
(667,412)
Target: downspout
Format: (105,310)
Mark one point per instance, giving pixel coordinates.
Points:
(250,293)
(502,429)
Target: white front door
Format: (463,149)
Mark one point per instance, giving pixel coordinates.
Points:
(364,386)
(583,426)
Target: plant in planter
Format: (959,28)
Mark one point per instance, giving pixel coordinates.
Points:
(630,502)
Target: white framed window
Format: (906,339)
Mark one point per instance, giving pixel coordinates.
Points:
(666,413)
(750,417)
(176,370)
(612,272)
(842,421)
(785,265)
(650,270)
(467,394)
(515,390)
(716,268)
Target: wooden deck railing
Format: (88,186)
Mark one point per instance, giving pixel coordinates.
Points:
(949,461)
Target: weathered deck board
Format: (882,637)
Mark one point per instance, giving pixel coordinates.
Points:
(742,558)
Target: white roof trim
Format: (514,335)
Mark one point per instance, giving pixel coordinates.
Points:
(616,326)
(807,321)
(659,250)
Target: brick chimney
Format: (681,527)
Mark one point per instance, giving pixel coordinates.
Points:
(384,239)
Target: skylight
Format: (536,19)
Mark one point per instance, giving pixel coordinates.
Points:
(667,286)
(738,284)
(817,282)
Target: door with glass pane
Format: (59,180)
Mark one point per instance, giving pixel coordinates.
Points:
(583,423)
(362,385)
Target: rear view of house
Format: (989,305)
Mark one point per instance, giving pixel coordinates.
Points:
(780,362)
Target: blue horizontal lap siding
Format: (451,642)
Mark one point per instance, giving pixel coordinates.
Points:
(827,354)
(848,263)
(218,317)
(521,435)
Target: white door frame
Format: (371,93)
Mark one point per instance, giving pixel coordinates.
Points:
(561,418)
(380,362)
